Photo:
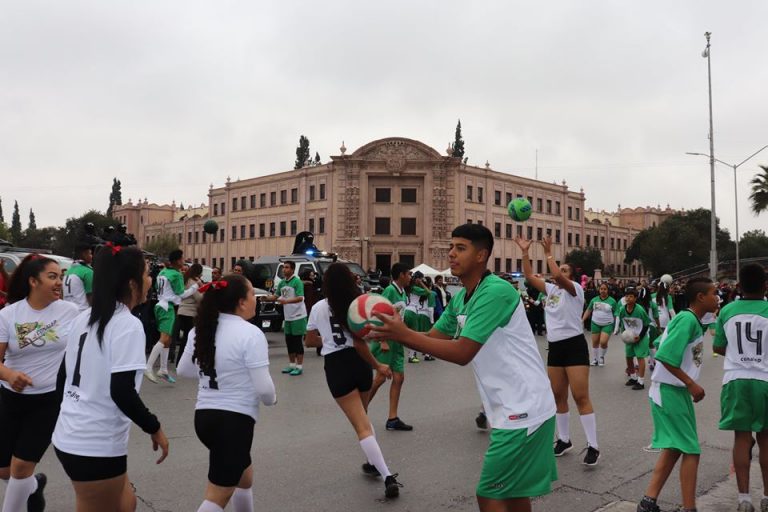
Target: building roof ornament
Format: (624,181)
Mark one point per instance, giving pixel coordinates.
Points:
(343,148)
(487,165)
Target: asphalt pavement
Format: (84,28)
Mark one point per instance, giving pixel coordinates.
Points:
(306,456)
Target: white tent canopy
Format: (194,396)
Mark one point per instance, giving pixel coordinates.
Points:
(426,270)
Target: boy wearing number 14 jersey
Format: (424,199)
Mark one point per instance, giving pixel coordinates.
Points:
(741,336)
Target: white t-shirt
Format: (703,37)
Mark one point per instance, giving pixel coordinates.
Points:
(74,289)
(291,289)
(90,424)
(563,312)
(36,341)
(240,347)
(665,313)
(334,336)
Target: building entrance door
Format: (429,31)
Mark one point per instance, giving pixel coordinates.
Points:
(384,263)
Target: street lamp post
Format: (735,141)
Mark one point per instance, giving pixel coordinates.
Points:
(713,217)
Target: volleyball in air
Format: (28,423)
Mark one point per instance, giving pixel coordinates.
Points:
(360,315)
(666,279)
(628,337)
(519,209)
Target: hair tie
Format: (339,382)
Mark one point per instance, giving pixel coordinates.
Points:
(115,248)
(35,256)
(216,285)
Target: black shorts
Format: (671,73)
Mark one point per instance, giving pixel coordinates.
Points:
(569,352)
(228,436)
(294,343)
(26,425)
(345,371)
(80,468)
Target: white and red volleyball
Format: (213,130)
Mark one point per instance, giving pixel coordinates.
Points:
(360,315)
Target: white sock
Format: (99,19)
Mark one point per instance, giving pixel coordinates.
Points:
(292,365)
(154,355)
(563,427)
(595,351)
(17,492)
(589,423)
(633,376)
(641,380)
(164,359)
(373,452)
(300,366)
(209,506)
(242,500)
(745,497)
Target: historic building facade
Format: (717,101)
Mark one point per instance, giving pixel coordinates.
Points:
(393,199)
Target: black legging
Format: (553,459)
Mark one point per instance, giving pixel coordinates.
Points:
(181,329)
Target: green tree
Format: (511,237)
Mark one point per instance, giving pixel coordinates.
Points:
(302,153)
(317,158)
(115,196)
(680,242)
(759,195)
(588,259)
(74,229)
(32,223)
(458,143)
(16,224)
(753,244)
(44,238)
(163,244)
(5,233)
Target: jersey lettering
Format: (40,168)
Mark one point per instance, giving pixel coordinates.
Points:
(211,374)
(338,333)
(68,284)
(76,373)
(744,332)
(161,280)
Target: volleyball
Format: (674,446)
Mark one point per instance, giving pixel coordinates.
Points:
(628,337)
(519,209)
(360,315)
(666,279)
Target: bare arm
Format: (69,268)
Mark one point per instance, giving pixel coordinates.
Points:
(696,391)
(365,353)
(17,380)
(312,339)
(534,281)
(562,281)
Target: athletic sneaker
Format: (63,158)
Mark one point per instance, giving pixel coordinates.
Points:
(631,382)
(397,424)
(428,357)
(651,366)
(651,449)
(561,447)
(601,362)
(370,469)
(150,375)
(593,363)
(392,486)
(647,505)
(638,386)
(481,421)
(590,459)
(36,500)
(745,506)
(296,371)
(764,505)
(167,377)
(287,369)
(413,359)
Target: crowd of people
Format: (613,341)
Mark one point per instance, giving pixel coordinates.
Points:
(72,369)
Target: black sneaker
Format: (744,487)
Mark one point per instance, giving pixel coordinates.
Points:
(631,382)
(370,469)
(561,447)
(481,421)
(428,357)
(590,459)
(638,386)
(36,500)
(392,486)
(648,505)
(397,424)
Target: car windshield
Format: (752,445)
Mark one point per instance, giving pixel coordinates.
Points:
(264,274)
(354,267)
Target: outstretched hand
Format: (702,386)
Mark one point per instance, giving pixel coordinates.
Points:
(547,244)
(523,243)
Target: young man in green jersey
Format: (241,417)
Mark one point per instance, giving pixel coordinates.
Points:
(290,293)
(633,318)
(673,391)
(391,352)
(78,281)
(485,324)
(740,335)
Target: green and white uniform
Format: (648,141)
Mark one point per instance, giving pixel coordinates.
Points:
(78,284)
(513,385)
(674,420)
(170,288)
(295,314)
(418,313)
(395,356)
(635,322)
(603,314)
(742,328)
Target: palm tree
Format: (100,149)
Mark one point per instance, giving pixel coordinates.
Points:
(759,195)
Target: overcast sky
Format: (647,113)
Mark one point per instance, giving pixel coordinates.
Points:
(171,96)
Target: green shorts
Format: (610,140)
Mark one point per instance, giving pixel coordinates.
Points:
(601,328)
(165,319)
(394,357)
(640,350)
(519,465)
(744,406)
(674,422)
(295,327)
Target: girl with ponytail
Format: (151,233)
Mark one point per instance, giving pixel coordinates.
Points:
(229,356)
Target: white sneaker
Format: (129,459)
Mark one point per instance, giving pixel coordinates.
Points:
(594,362)
(601,362)
(651,449)
(150,375)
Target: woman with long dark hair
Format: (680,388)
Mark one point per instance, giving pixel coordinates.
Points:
(185,316)
(33,328)
(100,379)
(230,357)
(348,364)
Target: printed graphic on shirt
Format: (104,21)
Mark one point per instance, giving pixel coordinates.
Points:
(35,333)
(698,354)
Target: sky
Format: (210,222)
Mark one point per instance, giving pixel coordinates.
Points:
(172,96)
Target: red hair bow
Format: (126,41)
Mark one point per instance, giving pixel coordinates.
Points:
(213,284)
(115,248)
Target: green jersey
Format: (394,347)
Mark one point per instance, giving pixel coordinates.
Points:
(290,289)
(681,346)
(397,297)
(78,284)
(603,310)
(742,328)
(635,321)
(170,286)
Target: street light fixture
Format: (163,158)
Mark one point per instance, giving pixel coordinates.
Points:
(735,195)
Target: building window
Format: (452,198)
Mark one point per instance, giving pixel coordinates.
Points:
(234,260)
(497,265)
(382,226)
(272,198)
(294,195)
(189,237)
(204,236)
(383,195)
(570,239)
(234,232)
(530,200)
(242,231)
(223,209)
(602,242)
(508,231)
(539,266)
(283,196)
(311,192)
(479,222)
(321,223)
(497,229)
(519,265)
(509,197)
(322,191)
(221,236)
(519,231)
(539,204)
(408,195)
(570,212)
(625,244)
(479,194)
(197,237)
(578,240)
(508,265)
(262,230)
(263,200)
(272,231)
(539,234)
(253,200)
(549,206)
(578,214)
(180,237)
(557,207)
(242,203)
(557,236)
(252,231)
(470,195)
(408,226)
(469,221)
(613,243)
(283,230)
(294,227)
(497,197)
(234,204)
(549,232)
(215,209)
(529,233)
(311,225)
(589,240)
